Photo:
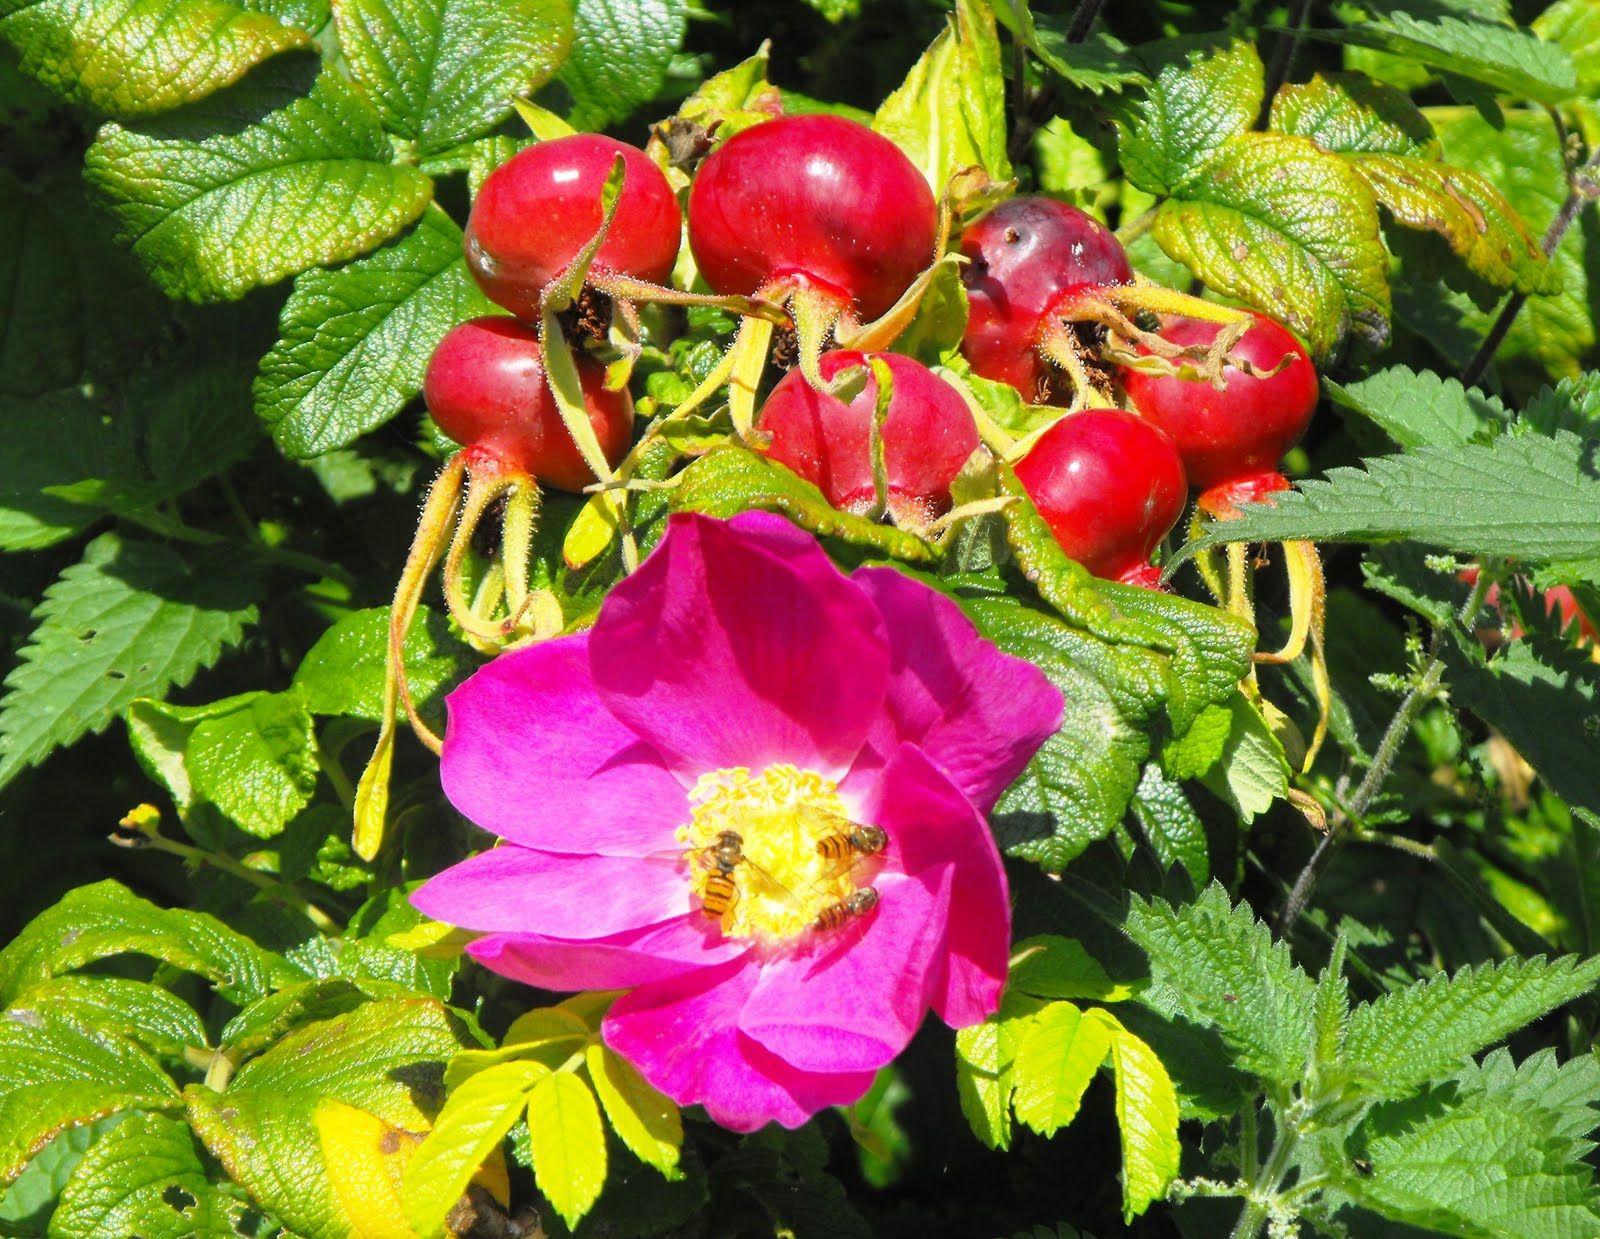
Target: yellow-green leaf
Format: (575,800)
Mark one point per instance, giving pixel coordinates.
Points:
(569,1144)
(985,1079)
(1147,1115)
(646,1121)
(1058,1052)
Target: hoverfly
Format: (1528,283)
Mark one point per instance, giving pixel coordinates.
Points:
(721,892)
(847,909)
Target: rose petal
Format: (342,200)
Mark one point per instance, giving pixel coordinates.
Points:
(621,962)
(930,823)
(531,754)
(979,713)
(520,890)
(854,1001)
(725,649)
(683,1038)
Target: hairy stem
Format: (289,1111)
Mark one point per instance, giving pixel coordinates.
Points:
(1341,826)
(1264,1189)
(1581,191)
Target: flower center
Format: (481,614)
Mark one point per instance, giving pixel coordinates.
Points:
(773,855)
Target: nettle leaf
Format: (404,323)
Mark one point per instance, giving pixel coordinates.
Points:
(1573,404)
(1544,697)
(1476,1159)
(729,480)
(129,620)
(1421,408)
(145,1177)
(254,185)
(106,919)
(619,58)
(53,1076)
(384,1058)
(442,71)
(1097,64)
(1567,1092)
(1512,61)
(1389,142)
(1409,1036)
(356,339)
(568,1142)
(135,57)
(1529,496)
(1268,218)
(950,111)
(154,1017)
(1524,159)
(1216,965)
(68,441)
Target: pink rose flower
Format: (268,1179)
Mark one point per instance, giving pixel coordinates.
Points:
(739,684)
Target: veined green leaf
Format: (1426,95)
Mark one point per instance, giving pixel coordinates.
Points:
(269,1018)
(647,1122)
(569,1144)
(475,1119)
(950,111)
(1098,64)
(985,1080)
(356,340)
(1574,26)
(154,1017)
(106,919)
(443,72)
(619,58)
(255,760)
(134,57)
(1059,1049)
(1421,408)
(343,672)
(145,1178)
(1170,824)
(128,620)
(1147,1117)
(1530,496)
(1252,771)
(255,185)
(1050,966)
(1189,114)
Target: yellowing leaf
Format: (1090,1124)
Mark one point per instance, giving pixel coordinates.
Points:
(569,1144)
(647,1122)
(1058,1051)
(984,1080)
(366,1160)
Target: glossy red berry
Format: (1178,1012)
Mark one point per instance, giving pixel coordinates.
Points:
(486,388)
(928,435)
(1110,485)
(820,198)
(1029,259)
(539,208)
(1232,440)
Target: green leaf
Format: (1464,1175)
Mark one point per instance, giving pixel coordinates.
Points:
(1409,1036)
(1217,966)
(355,341)
(1527,496)
(129,620)
(441,72)
(1573,404)
(256,760)
(1481,1162)
(1512,61)
(384,1058)
(1420,408)
(1253,771)
(255,185)
(106,919)
(1390,144)
(343,672)
(54,1076)
(620,53)
(1544,697)
(134,57)
(1098,64)
(268,1019)
(1174,830)
(28,1203)
(145,1178)
(985,1079)
(1188,116)
(647,1122)
(569,1144)
(367,954)
(113,1006)
(1282,225)
(1059,1049)
(42,332)
(1050,966)
(67,442)
(1147,1117)
(1574,26)
(1200,747)
(475,1119)
(729,480)
(949,113)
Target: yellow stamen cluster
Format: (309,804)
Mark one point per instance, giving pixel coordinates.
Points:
(781,881)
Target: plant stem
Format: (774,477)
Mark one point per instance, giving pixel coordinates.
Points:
(1265,1187)
(277,889)
(1282,57)
(1340,826)
(1083,20)
(1581,191)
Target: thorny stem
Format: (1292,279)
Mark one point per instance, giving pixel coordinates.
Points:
(1348,817)
(1581,191)
(1282,58)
